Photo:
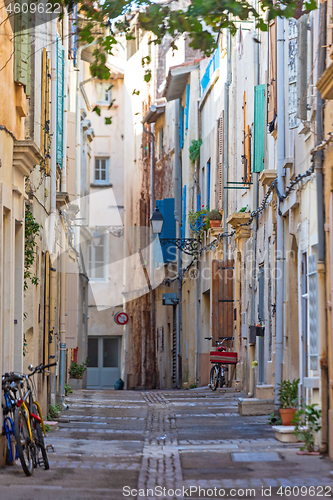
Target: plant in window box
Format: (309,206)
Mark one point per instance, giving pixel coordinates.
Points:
(213,219)
(197,221)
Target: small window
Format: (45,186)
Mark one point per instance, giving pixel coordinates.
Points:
(103,93)
(101,171)
(97,260)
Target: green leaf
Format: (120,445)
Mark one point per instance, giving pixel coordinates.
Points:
(147,76)
(97,110)
(108,120)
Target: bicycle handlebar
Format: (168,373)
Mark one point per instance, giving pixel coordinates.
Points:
(41,368)
(226,338)
(12,377)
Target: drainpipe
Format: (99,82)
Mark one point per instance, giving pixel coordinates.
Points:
(226,144)
(255,234)
(318,163)
(279,225)
(53,162)
(62,321)
(197,315)
(178,217)
(151,264)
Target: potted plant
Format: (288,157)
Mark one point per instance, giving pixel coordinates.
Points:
(76,372)
(288,395)
(307,423)
(197,222)
(213,218)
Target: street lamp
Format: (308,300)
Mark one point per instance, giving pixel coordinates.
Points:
(156,221)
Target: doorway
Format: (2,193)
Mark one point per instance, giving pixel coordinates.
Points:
(104,362)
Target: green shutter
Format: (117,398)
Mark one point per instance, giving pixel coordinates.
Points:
(60,102)
(259,128)
(22,49)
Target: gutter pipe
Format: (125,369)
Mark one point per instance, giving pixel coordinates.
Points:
(226,144)
(279,225)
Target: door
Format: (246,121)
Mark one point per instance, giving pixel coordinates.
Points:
(104,362)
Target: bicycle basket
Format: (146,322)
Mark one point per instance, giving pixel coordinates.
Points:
(223,357)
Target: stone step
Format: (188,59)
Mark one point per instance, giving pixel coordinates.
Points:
(254,406)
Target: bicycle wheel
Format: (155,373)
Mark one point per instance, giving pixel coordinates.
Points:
(23,441)
(222,376)
(41,454)
(214,377)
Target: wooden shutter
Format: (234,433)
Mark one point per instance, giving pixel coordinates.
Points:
(72,308)
(272,102)
(247,155)
(259,128)
(60,102)
(302,78)
(222,298)
(167,209)
(22,48)
(184,213)
(187,106)
(220,160)
(181,128)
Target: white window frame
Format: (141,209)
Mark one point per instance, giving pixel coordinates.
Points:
(107,162)
(103,102)
(92,259)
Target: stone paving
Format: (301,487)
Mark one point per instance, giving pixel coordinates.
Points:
(194,444)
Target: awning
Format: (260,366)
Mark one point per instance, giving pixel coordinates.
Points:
(177,79)
(154,113)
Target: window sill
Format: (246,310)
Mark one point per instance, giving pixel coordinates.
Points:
(96,184)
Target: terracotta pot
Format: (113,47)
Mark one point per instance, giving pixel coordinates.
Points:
(214,223)
(287,415)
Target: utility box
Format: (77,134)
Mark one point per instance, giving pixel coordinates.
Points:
(169,299)
(256,331)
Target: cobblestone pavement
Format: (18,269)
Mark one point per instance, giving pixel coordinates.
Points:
(175,444)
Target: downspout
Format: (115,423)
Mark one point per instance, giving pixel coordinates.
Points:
(178,217)
(62,321)
(255,235)
(197,319)
(151,265)
(226,144)
(53,162)
(318,164)
(279,224)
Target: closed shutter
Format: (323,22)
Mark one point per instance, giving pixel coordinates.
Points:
(259,128)
(72,301)
(208,185)
(272,102)
(45,112)
(187,107)
(302,43)
(184,213)
(220,160)
(60,102)
(22,48)
(222,298)
(167,209)
(181,128)
(246,147)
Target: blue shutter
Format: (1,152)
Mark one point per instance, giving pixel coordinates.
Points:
(199,221)
(187,107)
(259,128)
(208,185)
(60,102)
(181,128)
(184,213)
(167,209)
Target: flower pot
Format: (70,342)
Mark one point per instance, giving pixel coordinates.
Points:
(287,415)
(75,383)
(214,223)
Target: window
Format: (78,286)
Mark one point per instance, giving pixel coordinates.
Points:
(101,171)
(97,261)
(103,93)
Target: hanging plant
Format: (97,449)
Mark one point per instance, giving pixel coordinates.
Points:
(194,150)
(32,229)
(197,224)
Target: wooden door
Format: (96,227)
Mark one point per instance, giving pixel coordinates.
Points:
(222,298)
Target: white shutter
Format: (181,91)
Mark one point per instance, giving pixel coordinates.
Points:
(220,160)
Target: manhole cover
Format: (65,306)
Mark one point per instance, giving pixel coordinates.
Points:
(269,456)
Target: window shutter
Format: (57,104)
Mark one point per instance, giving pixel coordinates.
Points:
(167,209)
(208,185)
(247,156)
(259,128)
(184,213)
(272,104)
(187,107)
(47,124)
(302,68)
(45,118)
(220,160)
(222,298)
(181,128)
(22,49)
(60,102)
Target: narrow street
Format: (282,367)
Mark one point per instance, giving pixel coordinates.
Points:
(111,443)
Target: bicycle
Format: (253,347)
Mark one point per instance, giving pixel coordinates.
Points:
(9,387)
(29,428)
(220,358)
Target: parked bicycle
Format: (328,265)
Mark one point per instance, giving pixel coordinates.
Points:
(28,429)
(220,358)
